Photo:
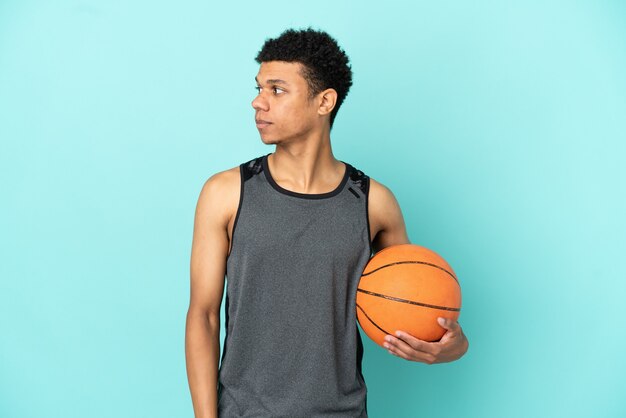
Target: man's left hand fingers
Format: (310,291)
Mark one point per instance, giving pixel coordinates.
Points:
(416,344)
(411,348)
(449,324)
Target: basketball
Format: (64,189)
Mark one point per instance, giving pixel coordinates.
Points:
(406,287)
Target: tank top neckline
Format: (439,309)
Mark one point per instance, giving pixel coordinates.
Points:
(282,190)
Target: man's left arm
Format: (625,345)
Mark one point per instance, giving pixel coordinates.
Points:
(386,214)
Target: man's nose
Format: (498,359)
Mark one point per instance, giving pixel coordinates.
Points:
(259,103)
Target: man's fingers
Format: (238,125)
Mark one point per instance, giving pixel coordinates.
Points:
(401,349)
(425,352)
(449,324)
(414,343)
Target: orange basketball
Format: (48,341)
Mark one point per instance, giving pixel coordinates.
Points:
(406,287)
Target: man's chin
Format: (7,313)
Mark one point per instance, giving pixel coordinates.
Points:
(269,141)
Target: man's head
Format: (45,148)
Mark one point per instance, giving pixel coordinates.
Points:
(316,59)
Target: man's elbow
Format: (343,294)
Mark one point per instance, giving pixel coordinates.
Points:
(209,318)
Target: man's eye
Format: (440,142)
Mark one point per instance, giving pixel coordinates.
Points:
(276,90)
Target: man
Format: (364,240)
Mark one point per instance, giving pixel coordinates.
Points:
(292,232)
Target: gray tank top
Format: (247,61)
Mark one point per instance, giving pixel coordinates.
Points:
(292,347)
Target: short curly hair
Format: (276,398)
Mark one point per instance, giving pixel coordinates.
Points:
(325,64)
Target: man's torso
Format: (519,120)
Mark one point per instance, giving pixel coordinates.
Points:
(292,347)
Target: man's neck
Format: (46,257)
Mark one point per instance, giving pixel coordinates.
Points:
(306,167)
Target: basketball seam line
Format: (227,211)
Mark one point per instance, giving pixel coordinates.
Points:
(370,319)
(411,262)
(426,305)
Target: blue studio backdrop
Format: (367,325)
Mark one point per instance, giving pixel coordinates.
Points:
(499,126)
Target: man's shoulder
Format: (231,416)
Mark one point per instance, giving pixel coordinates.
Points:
(228,180)
(385,216)
(382,201)
(379,192)
(220,194)
(222,181)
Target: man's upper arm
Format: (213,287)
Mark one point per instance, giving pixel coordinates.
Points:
(386,214)
(210,240)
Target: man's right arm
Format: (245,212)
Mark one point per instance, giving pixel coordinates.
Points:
(214,212)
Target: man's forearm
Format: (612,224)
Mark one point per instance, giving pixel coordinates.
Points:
(202,349)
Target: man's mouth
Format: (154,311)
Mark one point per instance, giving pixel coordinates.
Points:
(260,123)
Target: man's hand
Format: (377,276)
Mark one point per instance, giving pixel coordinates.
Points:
(450,347)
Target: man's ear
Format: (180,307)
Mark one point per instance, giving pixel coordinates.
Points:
(328,99)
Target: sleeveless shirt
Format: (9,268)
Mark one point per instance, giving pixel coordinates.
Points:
(292,347)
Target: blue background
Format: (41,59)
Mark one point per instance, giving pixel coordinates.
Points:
(499,126)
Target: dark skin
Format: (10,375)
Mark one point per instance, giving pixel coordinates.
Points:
(299,125)
(450,347)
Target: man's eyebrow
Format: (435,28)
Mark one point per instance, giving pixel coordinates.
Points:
(273,81)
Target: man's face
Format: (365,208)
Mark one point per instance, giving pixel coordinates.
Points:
(283,110)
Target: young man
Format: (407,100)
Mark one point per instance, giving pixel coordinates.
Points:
(292,231)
